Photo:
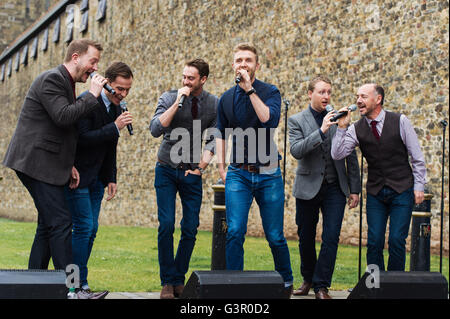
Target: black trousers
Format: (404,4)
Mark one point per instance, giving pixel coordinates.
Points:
(53,237)
(331,202)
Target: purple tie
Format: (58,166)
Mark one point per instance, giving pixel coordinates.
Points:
(374,129)
(194,108)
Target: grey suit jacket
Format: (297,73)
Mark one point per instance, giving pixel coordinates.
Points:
(44,143)
(307,147)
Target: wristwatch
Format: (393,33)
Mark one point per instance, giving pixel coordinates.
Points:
(250,92)
(202,170)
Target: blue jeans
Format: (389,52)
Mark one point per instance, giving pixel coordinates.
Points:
(398,207)
(331,201)
(84,204)
(241,187)
(169,181)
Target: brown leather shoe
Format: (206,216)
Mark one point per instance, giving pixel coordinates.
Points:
(303,290)
(323,294)
(167,292)
(178,290)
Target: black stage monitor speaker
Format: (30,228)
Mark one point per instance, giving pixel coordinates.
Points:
(401,285)
(33,284)
(231,284)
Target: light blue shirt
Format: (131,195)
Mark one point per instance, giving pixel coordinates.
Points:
(108,105)
(106,100)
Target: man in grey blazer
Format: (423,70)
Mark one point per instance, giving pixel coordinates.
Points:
(320,183)
(42,149)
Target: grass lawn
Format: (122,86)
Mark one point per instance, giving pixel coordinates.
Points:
(126,258)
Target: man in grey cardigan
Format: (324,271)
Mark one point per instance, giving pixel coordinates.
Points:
(320,183)
(42,149)
(179,168)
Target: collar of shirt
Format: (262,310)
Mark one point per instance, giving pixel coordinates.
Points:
(199,97)
(318,116)
(380,120)
(202,95)
(105,100)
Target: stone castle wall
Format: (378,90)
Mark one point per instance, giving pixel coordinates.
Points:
(402,45)
(16,15)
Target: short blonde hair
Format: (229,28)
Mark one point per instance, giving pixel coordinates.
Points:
(246,47)
(317,79)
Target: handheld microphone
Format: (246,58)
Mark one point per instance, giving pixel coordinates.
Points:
(182,98)
(238,79)
(329,108)
(123,106)
(351,108)
(106,86)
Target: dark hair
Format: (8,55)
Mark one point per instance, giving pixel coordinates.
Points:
(379,89)
(81,46)
(118,69)
(200,65)
(317,79)
(246,47)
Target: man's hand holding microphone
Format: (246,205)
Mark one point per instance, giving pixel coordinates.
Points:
(344,116)
(123,120)
(182,94)
(97,84)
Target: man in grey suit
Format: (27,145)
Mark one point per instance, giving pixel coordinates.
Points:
(320,183)
(42,149)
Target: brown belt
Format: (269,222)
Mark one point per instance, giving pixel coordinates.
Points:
(254,168)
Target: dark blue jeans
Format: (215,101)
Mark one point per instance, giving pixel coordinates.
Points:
(84,204)
(241,187)
(169,181)
(398,207)
(331,201)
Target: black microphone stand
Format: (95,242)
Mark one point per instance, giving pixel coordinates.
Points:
(286,107)
(360,218)
(444,126)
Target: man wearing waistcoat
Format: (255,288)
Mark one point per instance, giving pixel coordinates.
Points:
(394,182)
(179,168)
(320,183)
(95,161)
(251,110)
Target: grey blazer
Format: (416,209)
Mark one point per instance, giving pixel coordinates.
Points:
(307,147)
(44,143)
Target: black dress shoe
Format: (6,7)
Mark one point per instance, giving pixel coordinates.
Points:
(178,291)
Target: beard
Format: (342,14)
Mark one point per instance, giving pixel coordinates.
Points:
(82,74)
(195,88)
